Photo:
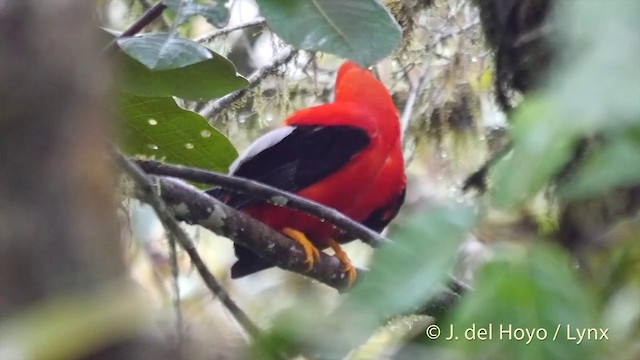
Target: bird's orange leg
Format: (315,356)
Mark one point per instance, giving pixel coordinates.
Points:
(310,251)
(346,262)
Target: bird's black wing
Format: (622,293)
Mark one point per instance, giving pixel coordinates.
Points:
(293,158)
(290,158)
(379,218)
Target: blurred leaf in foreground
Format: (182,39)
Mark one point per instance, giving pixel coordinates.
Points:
(594,89)
(616,164)
(403,276)
(531,303)
(74,325)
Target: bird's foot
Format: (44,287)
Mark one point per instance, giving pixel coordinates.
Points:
(347,266)
(312,254)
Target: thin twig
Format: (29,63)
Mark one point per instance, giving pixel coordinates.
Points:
(135,28)
(213,109)
(268,193)
(195,207)
(449,34)
(445,300)
(425,72)
(413,96)
(478,179)
(177,302)
(458,286)
(149,195)
(259,21)
(145,20)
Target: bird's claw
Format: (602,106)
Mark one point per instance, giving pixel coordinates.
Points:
(347,266)
(312,254)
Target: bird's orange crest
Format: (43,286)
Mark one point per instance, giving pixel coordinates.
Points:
(358,85)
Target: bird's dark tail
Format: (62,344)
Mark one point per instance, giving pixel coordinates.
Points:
(248,263)
(217,192)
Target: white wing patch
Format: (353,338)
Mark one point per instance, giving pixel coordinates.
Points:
(264,142)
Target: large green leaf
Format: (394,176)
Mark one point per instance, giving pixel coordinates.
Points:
(595,90)
(360,30)
(529,289)
(208,79)
(403,276)
(423,253)
(541,147)
(164,51)
(65,325)
(159,128)
(616,164)
(216,12)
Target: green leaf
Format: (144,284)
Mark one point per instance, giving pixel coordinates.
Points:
(73,325)
(216,13)
(360,30)
(617,164)
(533,289)
(423,253)
(163,51)
(208,79)
(595,90)
(540,150)
(159,128)
(403,276)
(598,86)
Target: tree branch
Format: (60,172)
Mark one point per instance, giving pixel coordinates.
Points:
(413,96)
(154,12)
(195,207)
(478,179)
(149,195)
(259,21)
(146,19)
(213,109)
(445,300)
(177,301)
(269,194)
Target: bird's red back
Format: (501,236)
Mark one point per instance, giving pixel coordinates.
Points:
(374,177)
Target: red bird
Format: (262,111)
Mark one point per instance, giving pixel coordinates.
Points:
(346,155)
